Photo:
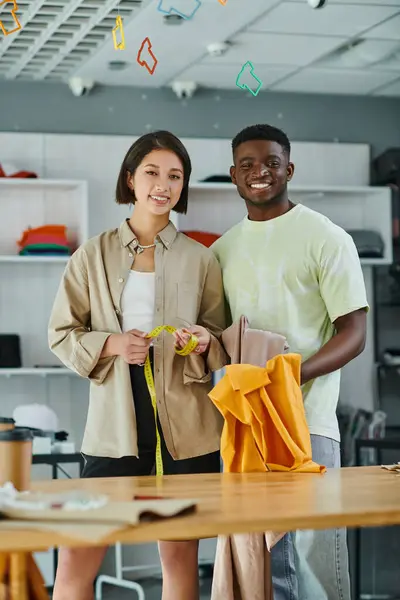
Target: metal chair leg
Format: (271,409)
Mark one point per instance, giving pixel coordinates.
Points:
(125,583)
(118,580)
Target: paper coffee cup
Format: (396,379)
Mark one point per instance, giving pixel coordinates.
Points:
(6,423)
(16,457)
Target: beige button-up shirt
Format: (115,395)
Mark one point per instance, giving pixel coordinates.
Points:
(87,309)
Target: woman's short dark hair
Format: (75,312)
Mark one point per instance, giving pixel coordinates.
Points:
(158,140)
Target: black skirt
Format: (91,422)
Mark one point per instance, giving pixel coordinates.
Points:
(130,466)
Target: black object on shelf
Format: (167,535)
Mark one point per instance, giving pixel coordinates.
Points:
(369,243)
(10,351)
(386,167)
(218,179)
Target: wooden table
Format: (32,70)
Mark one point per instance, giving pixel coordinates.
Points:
(231,503)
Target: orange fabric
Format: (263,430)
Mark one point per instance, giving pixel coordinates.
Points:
(53,230)
(265,426)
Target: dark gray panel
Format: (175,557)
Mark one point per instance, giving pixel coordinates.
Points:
(51,108)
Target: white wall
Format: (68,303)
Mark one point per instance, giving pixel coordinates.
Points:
(97,159)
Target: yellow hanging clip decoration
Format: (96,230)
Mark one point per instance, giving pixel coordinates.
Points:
(14,16)
(190,346)
(119,27)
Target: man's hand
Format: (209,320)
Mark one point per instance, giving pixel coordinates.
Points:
(132,346)
(182,336)
(348,343)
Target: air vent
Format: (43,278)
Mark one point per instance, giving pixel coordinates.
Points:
(117,65)
(361,53)
(58,36)
(173,19)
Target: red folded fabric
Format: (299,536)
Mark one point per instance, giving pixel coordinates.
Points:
(204,237)
(10,171)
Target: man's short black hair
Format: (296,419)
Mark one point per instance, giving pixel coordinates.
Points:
(262,132)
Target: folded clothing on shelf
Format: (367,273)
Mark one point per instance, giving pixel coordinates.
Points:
(10,170)
(47,239)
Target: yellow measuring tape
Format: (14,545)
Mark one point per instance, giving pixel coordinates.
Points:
(190,346)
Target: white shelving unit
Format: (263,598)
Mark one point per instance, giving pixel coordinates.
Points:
(216,207)
(34,202)
(27,289)
(28,283)
(36,371)
(9,258)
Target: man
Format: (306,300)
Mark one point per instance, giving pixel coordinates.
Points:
(290,270)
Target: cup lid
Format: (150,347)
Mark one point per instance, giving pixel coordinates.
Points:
(16,435)
(7,420)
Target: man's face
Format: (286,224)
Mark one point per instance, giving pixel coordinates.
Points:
(261,171)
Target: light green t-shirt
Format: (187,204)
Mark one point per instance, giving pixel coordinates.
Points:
(295,275)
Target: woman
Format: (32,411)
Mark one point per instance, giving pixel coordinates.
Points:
(115,289)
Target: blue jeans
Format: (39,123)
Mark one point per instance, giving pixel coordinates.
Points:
(313,565)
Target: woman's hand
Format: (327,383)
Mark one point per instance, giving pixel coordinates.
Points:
(182,336)
(132,346)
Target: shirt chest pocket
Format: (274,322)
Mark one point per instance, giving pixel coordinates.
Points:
(188,299)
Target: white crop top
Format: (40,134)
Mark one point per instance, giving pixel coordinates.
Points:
(137,302)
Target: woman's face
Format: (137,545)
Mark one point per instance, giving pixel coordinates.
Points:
(157,182)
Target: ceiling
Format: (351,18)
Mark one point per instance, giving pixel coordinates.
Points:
(346,47)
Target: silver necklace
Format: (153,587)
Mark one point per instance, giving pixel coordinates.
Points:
(140,248)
